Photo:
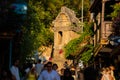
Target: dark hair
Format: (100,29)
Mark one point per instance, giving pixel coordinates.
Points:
(67,71)
(49,63)
(14,60)
(55,64)
(39,60)
(67,75)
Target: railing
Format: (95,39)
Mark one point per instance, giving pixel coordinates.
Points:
(107,29)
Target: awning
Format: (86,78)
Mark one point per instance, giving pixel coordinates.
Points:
(105,49)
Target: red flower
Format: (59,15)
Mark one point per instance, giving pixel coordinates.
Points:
(50,59)
(61,51)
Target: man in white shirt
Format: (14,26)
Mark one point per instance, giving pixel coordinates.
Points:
(15,71)
(39,67)
(49,74)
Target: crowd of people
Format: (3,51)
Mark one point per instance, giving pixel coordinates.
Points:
(38,71)
(49,71)
(109,73)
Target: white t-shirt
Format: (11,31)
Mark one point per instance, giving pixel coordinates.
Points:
(38,68)
(15,71)
(45,75)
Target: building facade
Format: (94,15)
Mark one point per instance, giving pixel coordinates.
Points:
(100,14)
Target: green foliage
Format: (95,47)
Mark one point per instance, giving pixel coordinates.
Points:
(88,28)
(41,13)
(86,55)
(35,31)
(116,19)
(76,5)
(74,47)
(116,11)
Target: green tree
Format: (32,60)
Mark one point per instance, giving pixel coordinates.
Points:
(116,11)
(116,18)
(37,28)
(36,31)
(76,5)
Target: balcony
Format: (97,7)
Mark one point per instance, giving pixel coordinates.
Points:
(107,29)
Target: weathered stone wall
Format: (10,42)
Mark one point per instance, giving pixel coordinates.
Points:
(63,33)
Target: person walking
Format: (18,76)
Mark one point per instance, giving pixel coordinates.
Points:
(55,67)
(67,75)
(62,73)
(106,74)
(49,73)
(15,70)
(112,68)
(38,67)
(32,75)
(65,65)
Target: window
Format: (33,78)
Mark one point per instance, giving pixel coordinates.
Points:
(60,34)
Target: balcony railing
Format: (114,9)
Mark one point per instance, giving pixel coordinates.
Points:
(107,29)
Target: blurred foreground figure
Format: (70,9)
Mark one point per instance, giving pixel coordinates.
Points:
(32,75)
(49,73)
(55,67)
(39,66)
(15,71)
(67,75)
(107,73)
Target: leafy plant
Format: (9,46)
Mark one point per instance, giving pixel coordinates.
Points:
(116,18)
(74,47)
(116,11)
(86,56)
(35,31)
